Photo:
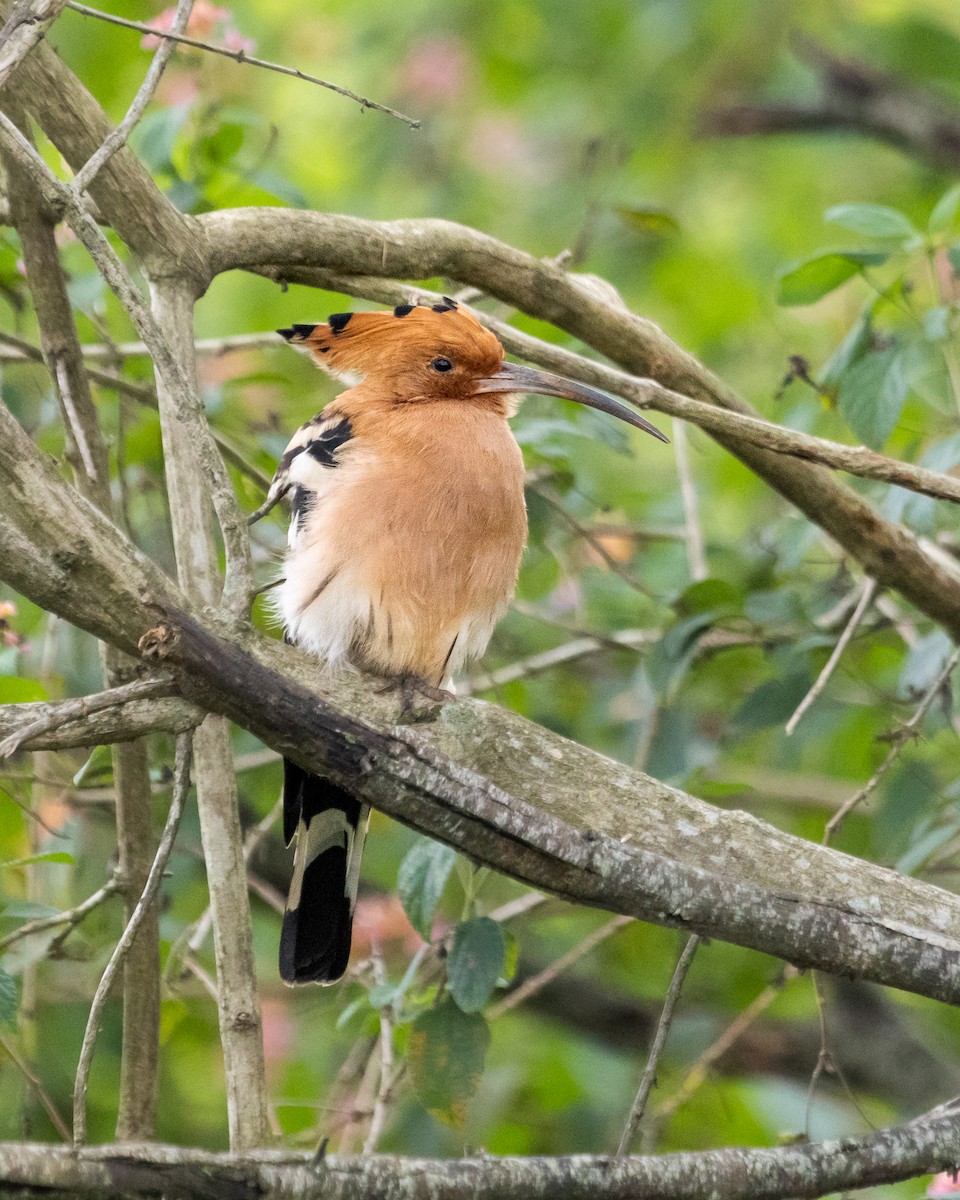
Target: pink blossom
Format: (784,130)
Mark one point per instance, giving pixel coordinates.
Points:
(437,70)
(944,1184)
(7,609)
(206,21)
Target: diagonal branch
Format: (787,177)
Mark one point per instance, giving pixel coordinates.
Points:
(465,777)
(21,32)
(292,245)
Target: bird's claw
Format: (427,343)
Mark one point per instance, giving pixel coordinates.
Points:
(411,686)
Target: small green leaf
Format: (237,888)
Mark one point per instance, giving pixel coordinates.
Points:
(14,690)
(808,281)
(100,762)
(646,218)
(945,211)
(668,661)
(772,703)
(475,962)
(27,910)
(53,856)
(873,220)
(445,1053)
(953,254)
(854,346)
(421,879)
(9,998)
(936,324)
(872,394)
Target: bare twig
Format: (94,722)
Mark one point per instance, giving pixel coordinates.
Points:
(85,706)
(659,1040)
(241,56)
(535,664)
(866,597)
(23,30)
(381,1104)
(118,136)
(238,586)
(647,393)
(181,786)
(698,1073)
(903,735)
(71,917)
(696,558)
(53,1113)
(531,986)
(18,350)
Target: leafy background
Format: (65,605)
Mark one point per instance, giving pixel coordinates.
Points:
(558,127)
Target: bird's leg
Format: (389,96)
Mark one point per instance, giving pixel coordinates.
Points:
(411,686)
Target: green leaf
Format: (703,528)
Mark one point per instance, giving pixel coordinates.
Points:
(421,879)
(911,795)
(54,856)
(953,254)
(772,703)
(854,346)
(9,998)
(14,690)
(668,661)
(873,220)
(872,394)
(646,218)
(810,280)
(100,762)
(445,1055)
(475,962)
(945,211)
(936,323)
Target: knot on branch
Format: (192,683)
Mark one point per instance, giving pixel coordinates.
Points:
(159,642)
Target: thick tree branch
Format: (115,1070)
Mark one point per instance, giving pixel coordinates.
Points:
(25,27)
(465,778)
(929,1143)
(113,716)
(289,245)
(854,98)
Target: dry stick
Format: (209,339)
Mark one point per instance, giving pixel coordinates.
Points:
(659,1039)
(535,664)
(56,1120)
(535,983)
(118,136)
(696,557)
(239,582)
(238,1007)
(866,597)
(71,917)
(903,735)
(96,351)
(181,786)
(85,706)
(647,393)
(241,56)
(23,30)
(381,1103)
(698,1073)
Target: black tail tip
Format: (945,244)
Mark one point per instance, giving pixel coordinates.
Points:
(297,333)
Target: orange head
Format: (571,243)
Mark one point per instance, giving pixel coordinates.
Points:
(420,353)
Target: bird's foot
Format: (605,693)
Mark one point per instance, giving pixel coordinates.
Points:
(411,686)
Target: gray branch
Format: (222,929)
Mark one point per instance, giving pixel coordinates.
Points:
(930,1143)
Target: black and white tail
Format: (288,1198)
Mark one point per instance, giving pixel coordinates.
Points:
(330,827)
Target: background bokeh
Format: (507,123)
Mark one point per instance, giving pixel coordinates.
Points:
(574,129)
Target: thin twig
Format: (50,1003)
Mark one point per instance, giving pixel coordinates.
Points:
(903,735)
(70,917)
(648,394)
(181,786)
(84,706)
(119,134)
(696,558)
(24,28)
(241,56)
(698,1073)
(537,982)
(535,664)
(866,597)
(97,351)
(659,1039)
(56,1120)
(381,1104)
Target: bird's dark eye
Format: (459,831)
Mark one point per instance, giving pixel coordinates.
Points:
(441,364)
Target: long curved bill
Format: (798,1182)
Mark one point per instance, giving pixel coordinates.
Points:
(515,378)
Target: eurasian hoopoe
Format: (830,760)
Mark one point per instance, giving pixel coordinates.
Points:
(407,526)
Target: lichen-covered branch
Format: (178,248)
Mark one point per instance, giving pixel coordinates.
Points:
(929,1143)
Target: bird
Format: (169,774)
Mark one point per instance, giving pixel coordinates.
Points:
(407,526)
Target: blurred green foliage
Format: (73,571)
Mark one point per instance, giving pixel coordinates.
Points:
(817,274)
